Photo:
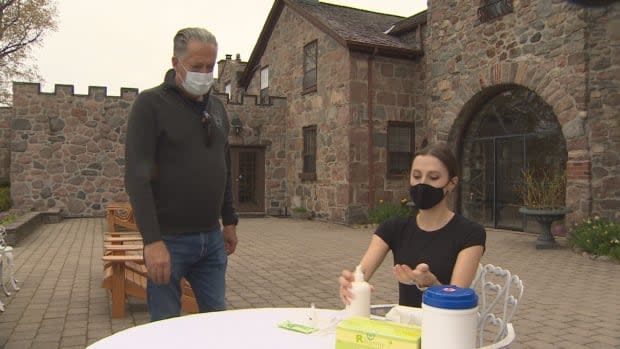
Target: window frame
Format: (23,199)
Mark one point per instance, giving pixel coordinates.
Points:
(264,92)
(228,89)
(401,172)
(306,71)
(490,10)
(308,174)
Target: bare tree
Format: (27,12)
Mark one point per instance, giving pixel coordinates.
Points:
(23,23)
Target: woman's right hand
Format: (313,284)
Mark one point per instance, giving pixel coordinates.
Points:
(345,280)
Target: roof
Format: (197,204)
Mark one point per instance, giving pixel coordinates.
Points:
(359,30)
(409,23)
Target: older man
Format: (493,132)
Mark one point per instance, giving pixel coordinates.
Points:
(177,175)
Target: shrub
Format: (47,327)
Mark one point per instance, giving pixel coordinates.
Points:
(384,211)
(7,218)
(598,236)
(5,198)
(543,189)
(299,209)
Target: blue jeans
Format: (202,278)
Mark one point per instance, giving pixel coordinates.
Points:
(200,258)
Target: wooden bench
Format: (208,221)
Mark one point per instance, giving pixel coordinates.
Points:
(124,272)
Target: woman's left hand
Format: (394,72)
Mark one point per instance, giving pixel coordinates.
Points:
(420,276)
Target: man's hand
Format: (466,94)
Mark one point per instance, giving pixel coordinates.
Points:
(157,261)
(230,238)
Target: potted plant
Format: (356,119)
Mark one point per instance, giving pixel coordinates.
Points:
(544,199)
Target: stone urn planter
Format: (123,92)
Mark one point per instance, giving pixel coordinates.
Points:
(544,200)
(545,218)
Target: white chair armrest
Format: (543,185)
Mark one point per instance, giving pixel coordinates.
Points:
(510,336)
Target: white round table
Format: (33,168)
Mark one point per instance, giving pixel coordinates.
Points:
(245,328)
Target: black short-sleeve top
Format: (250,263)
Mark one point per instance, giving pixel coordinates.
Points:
(439,249)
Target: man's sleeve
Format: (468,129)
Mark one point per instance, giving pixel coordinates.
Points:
(140,149)
(229,215)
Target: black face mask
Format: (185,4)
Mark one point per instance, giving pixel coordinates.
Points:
(426,196)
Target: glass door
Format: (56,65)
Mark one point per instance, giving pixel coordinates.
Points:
(478,183)
(510,154)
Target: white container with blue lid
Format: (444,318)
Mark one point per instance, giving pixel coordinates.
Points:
(450,317)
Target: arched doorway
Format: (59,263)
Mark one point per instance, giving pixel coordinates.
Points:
(512,129)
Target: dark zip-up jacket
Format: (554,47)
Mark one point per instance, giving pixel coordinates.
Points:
(176,183)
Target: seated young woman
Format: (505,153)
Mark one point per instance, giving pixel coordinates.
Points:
(437,246)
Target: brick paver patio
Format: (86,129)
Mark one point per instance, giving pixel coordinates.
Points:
(570,301)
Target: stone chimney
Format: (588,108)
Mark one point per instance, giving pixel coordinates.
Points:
(238,57)
(228,57)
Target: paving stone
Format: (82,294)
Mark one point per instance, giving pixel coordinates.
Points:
(18,344)
(79,308)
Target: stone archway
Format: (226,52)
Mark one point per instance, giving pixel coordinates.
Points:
(509,128)
(467,93)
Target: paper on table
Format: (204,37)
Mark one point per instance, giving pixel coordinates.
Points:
(287,325)
(405,315)
(324,324)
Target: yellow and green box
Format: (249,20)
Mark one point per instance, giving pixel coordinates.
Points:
(364,333)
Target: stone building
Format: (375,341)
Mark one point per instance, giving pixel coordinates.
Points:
(519,83)
(353,96)
(333,101)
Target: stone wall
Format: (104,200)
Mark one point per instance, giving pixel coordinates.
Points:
(67,150)
(264,125)
(543,46)
(397,95)
(328,108)
(603,105)
(5,136)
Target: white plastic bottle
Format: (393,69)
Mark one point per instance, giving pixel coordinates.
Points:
(360,304)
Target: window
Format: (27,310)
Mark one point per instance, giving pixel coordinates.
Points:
(491,9)
(264,85)
(228,90)
(310,59)
(309,153)
(400,144)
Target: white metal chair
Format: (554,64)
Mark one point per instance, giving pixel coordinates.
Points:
(6,253)
(499,293)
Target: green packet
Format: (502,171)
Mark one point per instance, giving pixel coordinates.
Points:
(287,325)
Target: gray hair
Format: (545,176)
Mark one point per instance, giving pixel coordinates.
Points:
(183,37)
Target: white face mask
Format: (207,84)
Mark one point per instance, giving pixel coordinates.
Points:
(197,84)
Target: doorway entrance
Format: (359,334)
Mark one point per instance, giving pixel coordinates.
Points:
(248,178)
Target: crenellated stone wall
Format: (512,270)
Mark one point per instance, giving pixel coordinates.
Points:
(67,151)
(566,54)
